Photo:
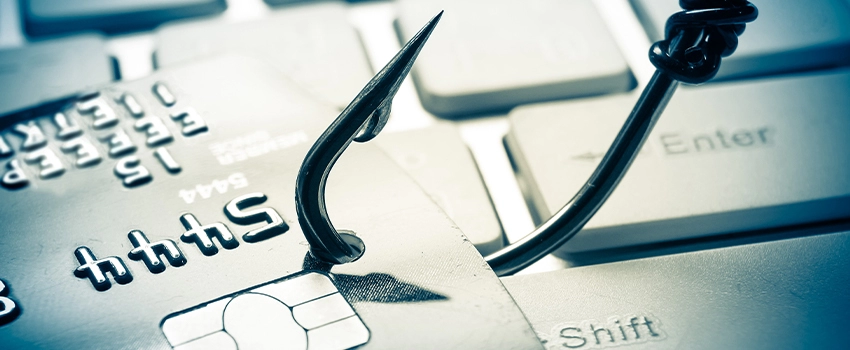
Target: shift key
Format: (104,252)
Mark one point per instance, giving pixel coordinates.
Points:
(788,294)
(722,159)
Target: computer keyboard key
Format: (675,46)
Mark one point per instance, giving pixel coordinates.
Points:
(493,55)
(46,17)
(788,36)
(724,158)
(311,44)
(437,158)
(789,294)
(129,254)
(48,70)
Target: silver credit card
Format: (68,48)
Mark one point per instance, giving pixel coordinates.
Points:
(160,213)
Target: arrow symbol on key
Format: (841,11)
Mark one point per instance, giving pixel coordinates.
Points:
(589,156)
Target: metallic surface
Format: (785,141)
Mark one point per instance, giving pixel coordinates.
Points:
(305,311)
(420,276)
(362,120)
(9,310)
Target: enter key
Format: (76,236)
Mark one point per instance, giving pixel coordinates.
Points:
(723,159)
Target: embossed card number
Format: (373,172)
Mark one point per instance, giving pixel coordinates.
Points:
(9,310)
(104,116)
(157,255)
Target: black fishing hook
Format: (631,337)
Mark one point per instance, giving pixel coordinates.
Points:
(361,121)
(695,41)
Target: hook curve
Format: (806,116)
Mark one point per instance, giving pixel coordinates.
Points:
(360,121)
(714,25)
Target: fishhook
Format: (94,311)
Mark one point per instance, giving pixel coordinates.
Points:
(707,27)
(361,121)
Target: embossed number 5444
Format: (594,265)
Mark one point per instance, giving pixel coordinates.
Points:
(8,309)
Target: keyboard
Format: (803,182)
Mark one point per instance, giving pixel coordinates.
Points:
(730,230)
